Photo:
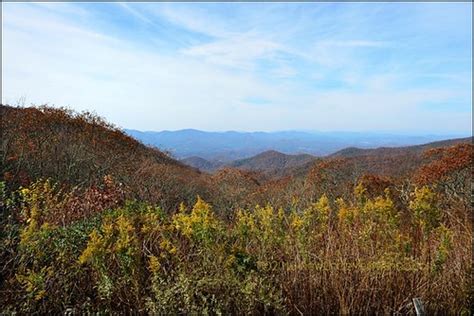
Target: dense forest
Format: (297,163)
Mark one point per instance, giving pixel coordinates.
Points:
(94,221)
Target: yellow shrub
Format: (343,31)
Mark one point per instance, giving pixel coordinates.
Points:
(200,223)
(424,208)
(95,246)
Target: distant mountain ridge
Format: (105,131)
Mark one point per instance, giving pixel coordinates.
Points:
(386,151)
(224,147)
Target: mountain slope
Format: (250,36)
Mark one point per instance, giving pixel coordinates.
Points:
(388,151)
(273,162)
(201,163)
(81,149)
(395,161)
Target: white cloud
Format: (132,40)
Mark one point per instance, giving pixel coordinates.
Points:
(239,51)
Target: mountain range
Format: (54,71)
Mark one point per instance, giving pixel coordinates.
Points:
(224,147)
(276,164)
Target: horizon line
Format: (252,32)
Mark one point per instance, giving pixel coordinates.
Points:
(379,132)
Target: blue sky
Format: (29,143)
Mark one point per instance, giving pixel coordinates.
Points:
(392,67)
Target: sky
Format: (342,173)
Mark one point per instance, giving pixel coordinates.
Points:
(391,67)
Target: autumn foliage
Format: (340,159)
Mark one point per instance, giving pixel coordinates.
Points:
(93,221)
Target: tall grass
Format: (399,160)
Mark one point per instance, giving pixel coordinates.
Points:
(362,255)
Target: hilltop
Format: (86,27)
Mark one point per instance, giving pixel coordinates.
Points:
(80,149)
(273,163)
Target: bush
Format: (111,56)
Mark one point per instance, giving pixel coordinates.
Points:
(347,256)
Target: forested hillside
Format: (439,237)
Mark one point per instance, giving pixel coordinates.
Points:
(202,164)
(95,221)
(271,163)
(392,151)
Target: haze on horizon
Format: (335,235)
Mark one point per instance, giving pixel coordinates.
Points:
(386,67)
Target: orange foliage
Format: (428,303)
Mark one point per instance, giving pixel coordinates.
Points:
(375,184)
(446,161)
(79,149)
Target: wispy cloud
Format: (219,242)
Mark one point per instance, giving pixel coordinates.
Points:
(194,19)
(135,13)
(355,43)
(239,51)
